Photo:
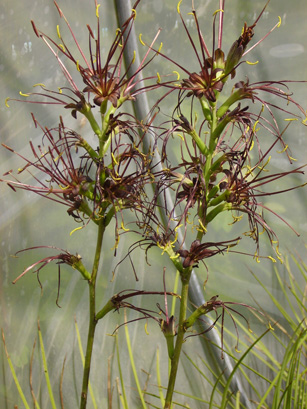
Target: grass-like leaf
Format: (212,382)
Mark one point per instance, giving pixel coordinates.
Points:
(46,371)
(20,391)
(131,357)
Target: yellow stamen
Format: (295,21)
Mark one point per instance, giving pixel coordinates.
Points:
(272,258)
(279,22)
(284,150)
(77,228)
(254,127)
(64,188)
(160,48)
(140,38)
(60,90)
(178,7)
(134,13)
(114,159)
(251,63)
(78,66)
(62,47)
(290,119)
(6,104)
(58,31)
(203,228)
(218,11)
(123,227)
(97,10)
(174,257)
(262,168)
(134,55)
(159,78)
(39,84)
(270,327)
(23,95)
(178,78)
(145,327)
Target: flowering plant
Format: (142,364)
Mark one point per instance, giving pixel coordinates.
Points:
(121,177)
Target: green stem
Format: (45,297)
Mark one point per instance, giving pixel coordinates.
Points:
(92,317)
(179,340)
(87,112)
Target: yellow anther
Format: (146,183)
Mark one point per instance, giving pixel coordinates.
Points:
(60,90)
(118,31)
(252,63)
(58,31)
(218,11)
(203,228)
(178,227)
(178,6)
(178,78)
(23,95)
(114,159)
(134,13)
(123,227)
(174,257)
(254,127)
(159,78)
(78,66)
(281,260)
(62,47)
(6,104)
(63,187)
(97,10)
(174,241)
(290,119)
(279,22)
(252,145)
(237,350)
(256,257)
(134,55)
(77,228)
(262,168)
(290,157)
(272,258)
(140,38)
(39,84)
(284,150)
(270,327)
(160,48)
(145,327)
